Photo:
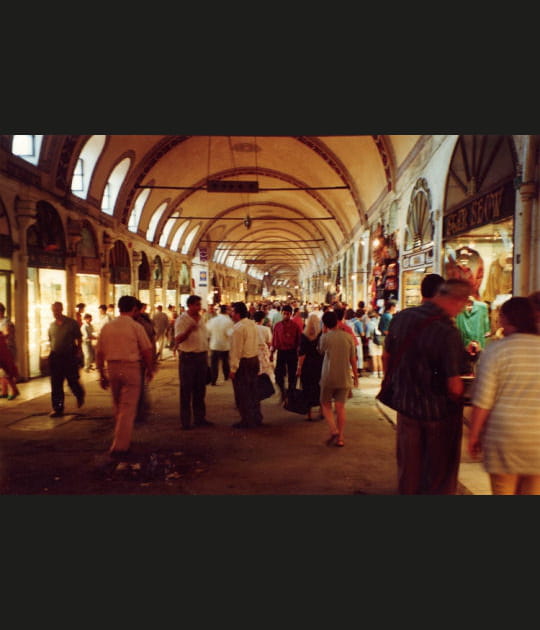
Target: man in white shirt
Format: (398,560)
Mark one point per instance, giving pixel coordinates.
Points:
(160,321)
(220,329)
(244,367)
(191,339)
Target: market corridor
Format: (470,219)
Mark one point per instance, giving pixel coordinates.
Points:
(287,456)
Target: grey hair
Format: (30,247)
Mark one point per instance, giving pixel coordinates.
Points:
(313,326)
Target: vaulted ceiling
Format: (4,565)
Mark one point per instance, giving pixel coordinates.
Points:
(302,197)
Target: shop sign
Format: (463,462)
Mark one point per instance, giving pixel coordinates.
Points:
(419,259)
(89,265)
(203,279)
(488,208)
(185,288)
(46,260)
(120,275)
(203,254)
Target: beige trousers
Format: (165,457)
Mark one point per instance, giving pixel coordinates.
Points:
(125,381)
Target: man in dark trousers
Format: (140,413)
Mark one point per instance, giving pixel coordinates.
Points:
(244,367)
(424,359)
(286,340)
(65,339)
(191,339)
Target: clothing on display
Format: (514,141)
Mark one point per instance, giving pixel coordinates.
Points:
(473,323)
(465,263)
(499,280)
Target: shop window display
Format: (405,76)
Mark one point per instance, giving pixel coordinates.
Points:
(484,257)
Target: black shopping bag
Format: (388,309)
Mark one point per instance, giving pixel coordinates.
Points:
(296,401)
(265,387)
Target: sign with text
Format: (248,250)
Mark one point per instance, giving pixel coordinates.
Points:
(490,207)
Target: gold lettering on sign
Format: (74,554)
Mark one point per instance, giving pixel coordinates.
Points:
(486,209)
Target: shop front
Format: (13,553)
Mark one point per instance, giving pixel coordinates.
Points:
(46,283)
(87,278)
(6,271)
(478,227)
(120,272)
(417,259)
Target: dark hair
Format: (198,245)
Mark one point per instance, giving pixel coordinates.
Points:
(103,307)
(81,305)
(520,313)
(535,300)
(287,308)
(340,312)
(430,284)
(349,313)
(455,289)
(127,303)
(240,308)
(223,308)
(329,319)
(192,299)
(258,316)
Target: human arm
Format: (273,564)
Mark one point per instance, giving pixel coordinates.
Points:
(183,327)
(479,417)
(354,370)
(149,363)
(100,366)
(455,387)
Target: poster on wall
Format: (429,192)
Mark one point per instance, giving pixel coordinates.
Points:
(203,278)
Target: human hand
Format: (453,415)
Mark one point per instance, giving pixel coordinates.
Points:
(474,447)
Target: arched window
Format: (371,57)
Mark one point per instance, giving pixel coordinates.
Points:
(135,216)
(151,232)
(178,235)
(114,183)
(86,163)
(166,231)
(189,239)
(27,147)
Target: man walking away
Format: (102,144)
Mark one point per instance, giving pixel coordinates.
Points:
(339,364)
(424,359)
(220,329)
(160,322)
(244,361)
(122,351)
(65,340)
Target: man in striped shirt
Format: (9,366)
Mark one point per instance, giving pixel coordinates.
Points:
(424,359)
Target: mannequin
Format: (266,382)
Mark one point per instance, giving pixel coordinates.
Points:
(473,323)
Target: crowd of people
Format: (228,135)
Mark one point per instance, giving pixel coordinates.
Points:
(321,349)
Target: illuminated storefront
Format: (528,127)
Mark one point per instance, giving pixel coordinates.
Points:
(478,228)
(120,272)
(88,265)
(143,285)
(6,273)
(46,282)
